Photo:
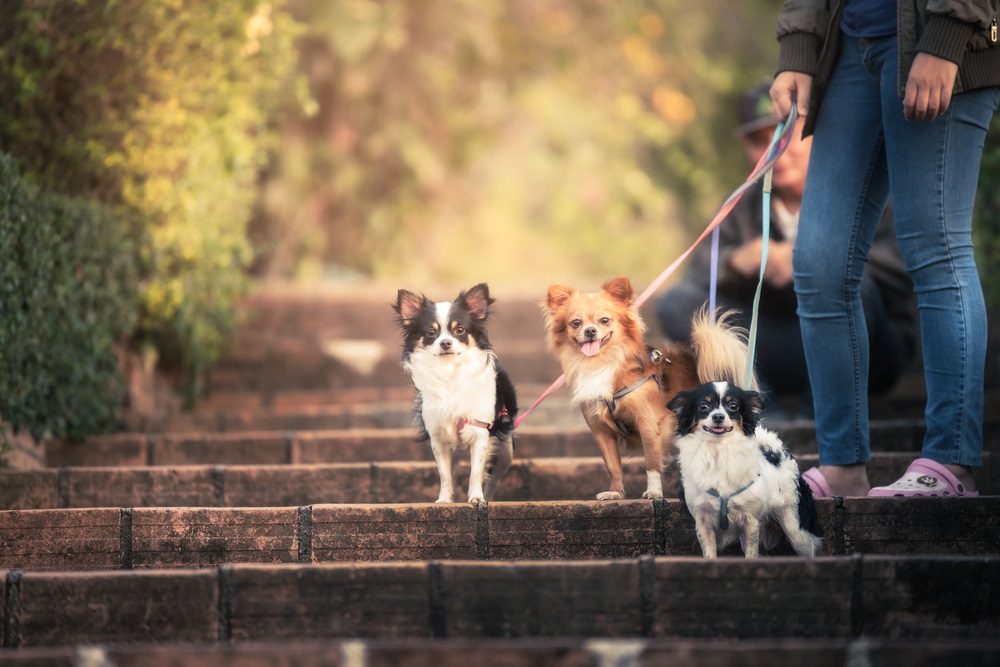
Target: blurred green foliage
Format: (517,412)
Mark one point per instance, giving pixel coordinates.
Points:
(67,297)
(508,140)
(159,108)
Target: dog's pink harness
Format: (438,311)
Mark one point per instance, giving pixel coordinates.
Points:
(479,423)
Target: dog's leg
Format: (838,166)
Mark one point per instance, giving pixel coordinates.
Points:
(652,450)
(805,543)
(442,456)
(750,539)
(477,465)
(499,460)
(608,444)
(706,537)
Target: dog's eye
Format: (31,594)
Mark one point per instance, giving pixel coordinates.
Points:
(430,333)
(604,320)
(576,323)
(733,406)
(703,408)
(459,331)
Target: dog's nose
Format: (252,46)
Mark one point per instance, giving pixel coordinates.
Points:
(446,344)
(717,418)
(590,332)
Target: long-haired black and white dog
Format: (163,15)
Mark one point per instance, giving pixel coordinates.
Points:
(738,479)
(464,397)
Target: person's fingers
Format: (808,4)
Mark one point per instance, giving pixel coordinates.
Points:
(789,86)
(945,100)
(781,95)
(909,99)
(804,92)
(929,87)
(933,103)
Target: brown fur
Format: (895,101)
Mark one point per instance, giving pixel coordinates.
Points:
(624,360)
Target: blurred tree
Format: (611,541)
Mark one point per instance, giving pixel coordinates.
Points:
(512,140)
(159,108)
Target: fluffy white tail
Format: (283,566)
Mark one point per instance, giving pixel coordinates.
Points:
(721,350)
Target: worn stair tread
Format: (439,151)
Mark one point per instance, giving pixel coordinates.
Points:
(390,444)
(102,538)
(921,597)
(278,484)
(524,653)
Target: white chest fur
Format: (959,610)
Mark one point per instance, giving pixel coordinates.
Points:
(593,387)
(453,388)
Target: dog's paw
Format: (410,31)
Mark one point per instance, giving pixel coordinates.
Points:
(652,495)
(443,499)
(610,495)
(475,500)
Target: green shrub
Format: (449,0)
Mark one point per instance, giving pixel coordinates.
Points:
(159,108)
(67,297)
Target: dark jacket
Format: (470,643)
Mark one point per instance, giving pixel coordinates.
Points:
(885,266)
(961,31)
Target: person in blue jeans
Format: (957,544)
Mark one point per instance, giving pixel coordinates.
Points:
(898,97)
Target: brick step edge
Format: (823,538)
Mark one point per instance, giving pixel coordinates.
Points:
(273,485)
(537,652)
(140,538)
(871,596)
(368,444)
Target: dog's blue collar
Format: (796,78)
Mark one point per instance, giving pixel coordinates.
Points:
(724,501)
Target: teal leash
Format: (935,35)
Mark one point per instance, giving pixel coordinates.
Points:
(724,501)
(765,241)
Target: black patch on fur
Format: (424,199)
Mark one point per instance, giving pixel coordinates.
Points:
(683,405)
(771,456)
(506,398)
(808,518)
(751,405)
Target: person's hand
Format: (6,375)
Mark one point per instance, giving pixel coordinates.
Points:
(788,85)
(929,87)
(745,260)
(778,271)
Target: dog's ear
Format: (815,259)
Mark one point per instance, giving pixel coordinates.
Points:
(408,305)
(620,289)
(682,405)
(559,294)
(477,300)
(753,407)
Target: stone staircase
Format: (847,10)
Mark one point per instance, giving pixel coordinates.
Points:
(287,520)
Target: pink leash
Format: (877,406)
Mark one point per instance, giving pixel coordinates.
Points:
(763,166)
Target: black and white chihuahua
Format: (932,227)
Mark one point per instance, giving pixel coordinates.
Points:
(464,397)
(738,479)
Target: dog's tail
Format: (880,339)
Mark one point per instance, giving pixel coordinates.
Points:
(720,349)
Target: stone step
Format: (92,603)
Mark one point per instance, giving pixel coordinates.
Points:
(524,653)
(322,371)
(561,478)
(361,444)
(900,597)
(136,538)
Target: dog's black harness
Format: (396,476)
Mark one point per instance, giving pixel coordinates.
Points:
(621,393)
(655,356)
(724,501)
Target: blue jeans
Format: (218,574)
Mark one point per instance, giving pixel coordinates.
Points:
(863,150)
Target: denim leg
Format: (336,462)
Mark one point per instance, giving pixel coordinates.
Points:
(934,172)
(846,191)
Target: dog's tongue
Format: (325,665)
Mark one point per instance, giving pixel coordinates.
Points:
(591,347)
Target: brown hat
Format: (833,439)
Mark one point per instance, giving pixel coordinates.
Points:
(756,110)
